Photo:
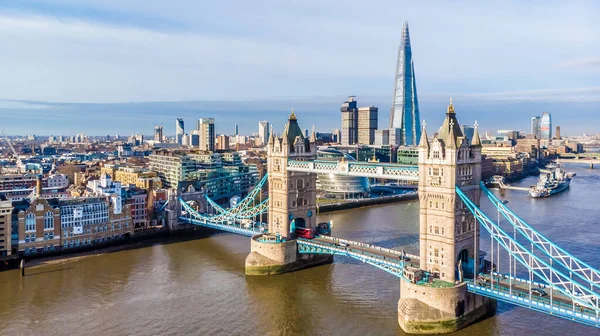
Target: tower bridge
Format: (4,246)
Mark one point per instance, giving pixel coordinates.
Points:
(451,283)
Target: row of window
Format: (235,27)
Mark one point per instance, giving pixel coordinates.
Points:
(436,230)
(437,205)
(30,221)
(32,237)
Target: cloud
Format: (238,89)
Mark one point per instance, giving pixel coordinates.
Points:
(586,63)
(586,94)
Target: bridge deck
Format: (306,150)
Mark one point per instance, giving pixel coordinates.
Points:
(517,291)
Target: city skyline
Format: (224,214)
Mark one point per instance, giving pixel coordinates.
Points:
(70,42)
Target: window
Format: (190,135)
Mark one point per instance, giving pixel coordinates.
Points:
(437,230)
(48,220)
(30,222)
(436,253)
(300,184)
(436,154)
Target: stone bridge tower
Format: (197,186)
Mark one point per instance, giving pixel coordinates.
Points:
(449,238)
(292,195)
(447,227)
(292,204)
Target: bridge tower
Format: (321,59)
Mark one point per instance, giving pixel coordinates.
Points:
(449,239)
(292,195)
(292,204)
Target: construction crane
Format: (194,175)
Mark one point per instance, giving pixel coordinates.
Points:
(20,166)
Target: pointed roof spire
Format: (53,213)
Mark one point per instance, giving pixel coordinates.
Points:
(313,135)
(451,140)
(476,141)
(293,115)
(450,107)
(424,143)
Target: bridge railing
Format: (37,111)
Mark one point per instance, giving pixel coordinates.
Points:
(535,266)
(582,270)
(378,248)
(394,267)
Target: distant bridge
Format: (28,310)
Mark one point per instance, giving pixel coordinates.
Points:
(590,162)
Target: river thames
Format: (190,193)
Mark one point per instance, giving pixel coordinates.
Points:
(198,287)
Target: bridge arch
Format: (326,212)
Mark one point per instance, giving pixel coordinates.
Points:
(300,222)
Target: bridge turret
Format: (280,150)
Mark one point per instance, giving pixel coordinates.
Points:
(449,240)
(447,228)
(292,195)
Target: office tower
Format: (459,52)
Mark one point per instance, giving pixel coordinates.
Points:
(546,126)
(195,138)
(223,142)
(395,137)
(207,134)
(405,107)
(382,137)
(468,131)
(349,121)
(158,133)
(367,124)
(337,135)
(179,130)
(263,132)
(557,134)
(535,126)
(236,129)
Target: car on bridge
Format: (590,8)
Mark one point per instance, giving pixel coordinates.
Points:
(538,291)
(305,233)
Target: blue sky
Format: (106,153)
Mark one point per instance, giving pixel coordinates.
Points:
(244,61)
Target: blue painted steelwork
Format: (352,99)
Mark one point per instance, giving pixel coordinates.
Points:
(244,204)
(540,304)
(193,217)
(582,270)
(546,272)
(309,246)
(162,207)
(392,171)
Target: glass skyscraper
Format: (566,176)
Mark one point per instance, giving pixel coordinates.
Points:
(405,107)
(546,126)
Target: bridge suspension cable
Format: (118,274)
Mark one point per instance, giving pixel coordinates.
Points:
(574,265)
(536,266)
(243,205)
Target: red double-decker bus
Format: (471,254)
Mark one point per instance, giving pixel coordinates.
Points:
(305,233)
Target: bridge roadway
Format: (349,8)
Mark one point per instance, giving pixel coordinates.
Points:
(366,249)
(518,291)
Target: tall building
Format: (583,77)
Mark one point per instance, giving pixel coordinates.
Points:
(557,134)
(367,124)
(535,126)
(222,142)
(5,228)
(263,132)
(207,134)
(546,126)
(382,137)
(336,135)
(405,107)
(236,131)
(349,121)
(195,138)
(468,131)
(179,130)
(158,133)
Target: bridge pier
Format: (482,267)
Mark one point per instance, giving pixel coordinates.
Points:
(271,258)
(431,310)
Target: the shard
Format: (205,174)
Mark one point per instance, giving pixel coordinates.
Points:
(405,107)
